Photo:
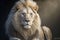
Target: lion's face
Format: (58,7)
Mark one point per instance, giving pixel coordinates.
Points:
(26,17)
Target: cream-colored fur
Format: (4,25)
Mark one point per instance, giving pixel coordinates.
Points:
(29,3)
(16,22)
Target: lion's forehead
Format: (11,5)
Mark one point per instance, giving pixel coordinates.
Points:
(27,10)
(24,10)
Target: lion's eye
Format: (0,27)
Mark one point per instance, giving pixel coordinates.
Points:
(31,13)
(23,13)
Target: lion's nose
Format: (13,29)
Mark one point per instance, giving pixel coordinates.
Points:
(27,20)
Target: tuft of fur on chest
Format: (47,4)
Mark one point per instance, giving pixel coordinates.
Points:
(23,36)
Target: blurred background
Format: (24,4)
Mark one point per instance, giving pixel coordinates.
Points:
(49,11)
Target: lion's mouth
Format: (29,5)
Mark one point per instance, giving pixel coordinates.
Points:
(27,26)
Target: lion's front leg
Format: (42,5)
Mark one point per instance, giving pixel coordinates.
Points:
(47,33)
(14,38)
(40,35)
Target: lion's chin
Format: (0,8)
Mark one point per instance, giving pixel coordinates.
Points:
(27,26)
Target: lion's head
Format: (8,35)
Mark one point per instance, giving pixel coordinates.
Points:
(25,17)
(26,14)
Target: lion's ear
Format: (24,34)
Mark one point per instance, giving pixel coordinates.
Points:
(33,5)
(36,8)
(19,6)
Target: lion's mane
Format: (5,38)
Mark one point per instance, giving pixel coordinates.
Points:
(14,29)
(13,23)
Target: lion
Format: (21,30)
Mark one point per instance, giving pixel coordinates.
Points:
(24,22)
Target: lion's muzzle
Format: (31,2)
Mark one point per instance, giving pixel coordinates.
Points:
(27,24)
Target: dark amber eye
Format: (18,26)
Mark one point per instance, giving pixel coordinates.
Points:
(23,13)
(31,13)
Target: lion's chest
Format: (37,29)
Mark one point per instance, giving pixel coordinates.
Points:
(29,34)
(26,35)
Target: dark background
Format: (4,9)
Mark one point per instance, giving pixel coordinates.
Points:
(52,21)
